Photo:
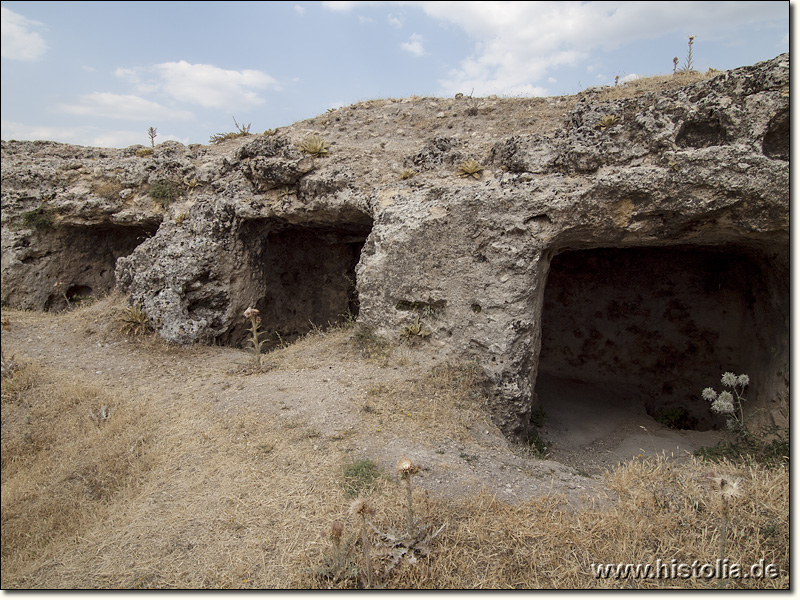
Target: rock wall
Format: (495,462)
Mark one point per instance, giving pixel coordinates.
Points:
(643,240)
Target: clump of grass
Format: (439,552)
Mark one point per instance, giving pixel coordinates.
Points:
(315,146)
(142,152)
(414,332)
(134,321)
(367,343)
(406,174)
(470,168)
(241,131)
(607,122)
(361,477)
(107,189)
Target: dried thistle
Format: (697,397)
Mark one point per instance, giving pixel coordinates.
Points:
(152,133)
(406,468)
(470,168)
(689,64)
(255,334)
(360,508)
(727,489)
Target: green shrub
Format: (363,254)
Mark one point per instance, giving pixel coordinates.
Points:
(165,193)
(39,219)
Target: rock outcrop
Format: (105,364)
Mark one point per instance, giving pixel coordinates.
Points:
(641,242)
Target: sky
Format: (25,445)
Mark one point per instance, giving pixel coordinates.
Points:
(102,73)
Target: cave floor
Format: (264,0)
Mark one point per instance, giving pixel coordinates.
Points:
(593,427)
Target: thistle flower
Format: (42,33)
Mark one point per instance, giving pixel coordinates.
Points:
(360,507)
(709,394)
(723,404)
(337,530)
(727,487)
(251,312)
(406,468)
(729,379)
(743,380)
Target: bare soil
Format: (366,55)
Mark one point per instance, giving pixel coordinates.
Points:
(380,408)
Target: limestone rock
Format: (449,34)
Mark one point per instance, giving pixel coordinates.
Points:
(640,242)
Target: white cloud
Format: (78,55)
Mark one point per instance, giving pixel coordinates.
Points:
(395,21)
(520,43)
(300,10)
(205,85)
(342,6)
(18,41)
(212,87)
(80,135)
(414,45)
(117,106)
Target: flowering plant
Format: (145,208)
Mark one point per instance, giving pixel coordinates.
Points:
(729,402)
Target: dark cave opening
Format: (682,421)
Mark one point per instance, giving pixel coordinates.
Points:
(303,276)
(649,328)
(86,259)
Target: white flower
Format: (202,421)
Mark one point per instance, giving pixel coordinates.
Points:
(709,394)
(721,406)
(250,313)
(729,379)
(743,380)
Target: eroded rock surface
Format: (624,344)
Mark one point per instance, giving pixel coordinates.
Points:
(640,240)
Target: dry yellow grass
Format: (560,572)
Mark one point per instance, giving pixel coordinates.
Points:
(177,491)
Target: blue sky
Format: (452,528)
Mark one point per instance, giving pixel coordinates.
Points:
(101,73)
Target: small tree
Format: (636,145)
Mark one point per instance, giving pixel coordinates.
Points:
(152,133)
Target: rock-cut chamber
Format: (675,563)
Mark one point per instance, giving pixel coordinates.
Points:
(301,276)
(649,328)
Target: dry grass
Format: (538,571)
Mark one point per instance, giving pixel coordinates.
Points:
(177,491)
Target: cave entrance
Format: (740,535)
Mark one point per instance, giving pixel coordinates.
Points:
(304,276)
(83,258)
(636,334)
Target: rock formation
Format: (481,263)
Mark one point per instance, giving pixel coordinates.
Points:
(641,242)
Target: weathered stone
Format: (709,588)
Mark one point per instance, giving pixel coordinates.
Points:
(642,242)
